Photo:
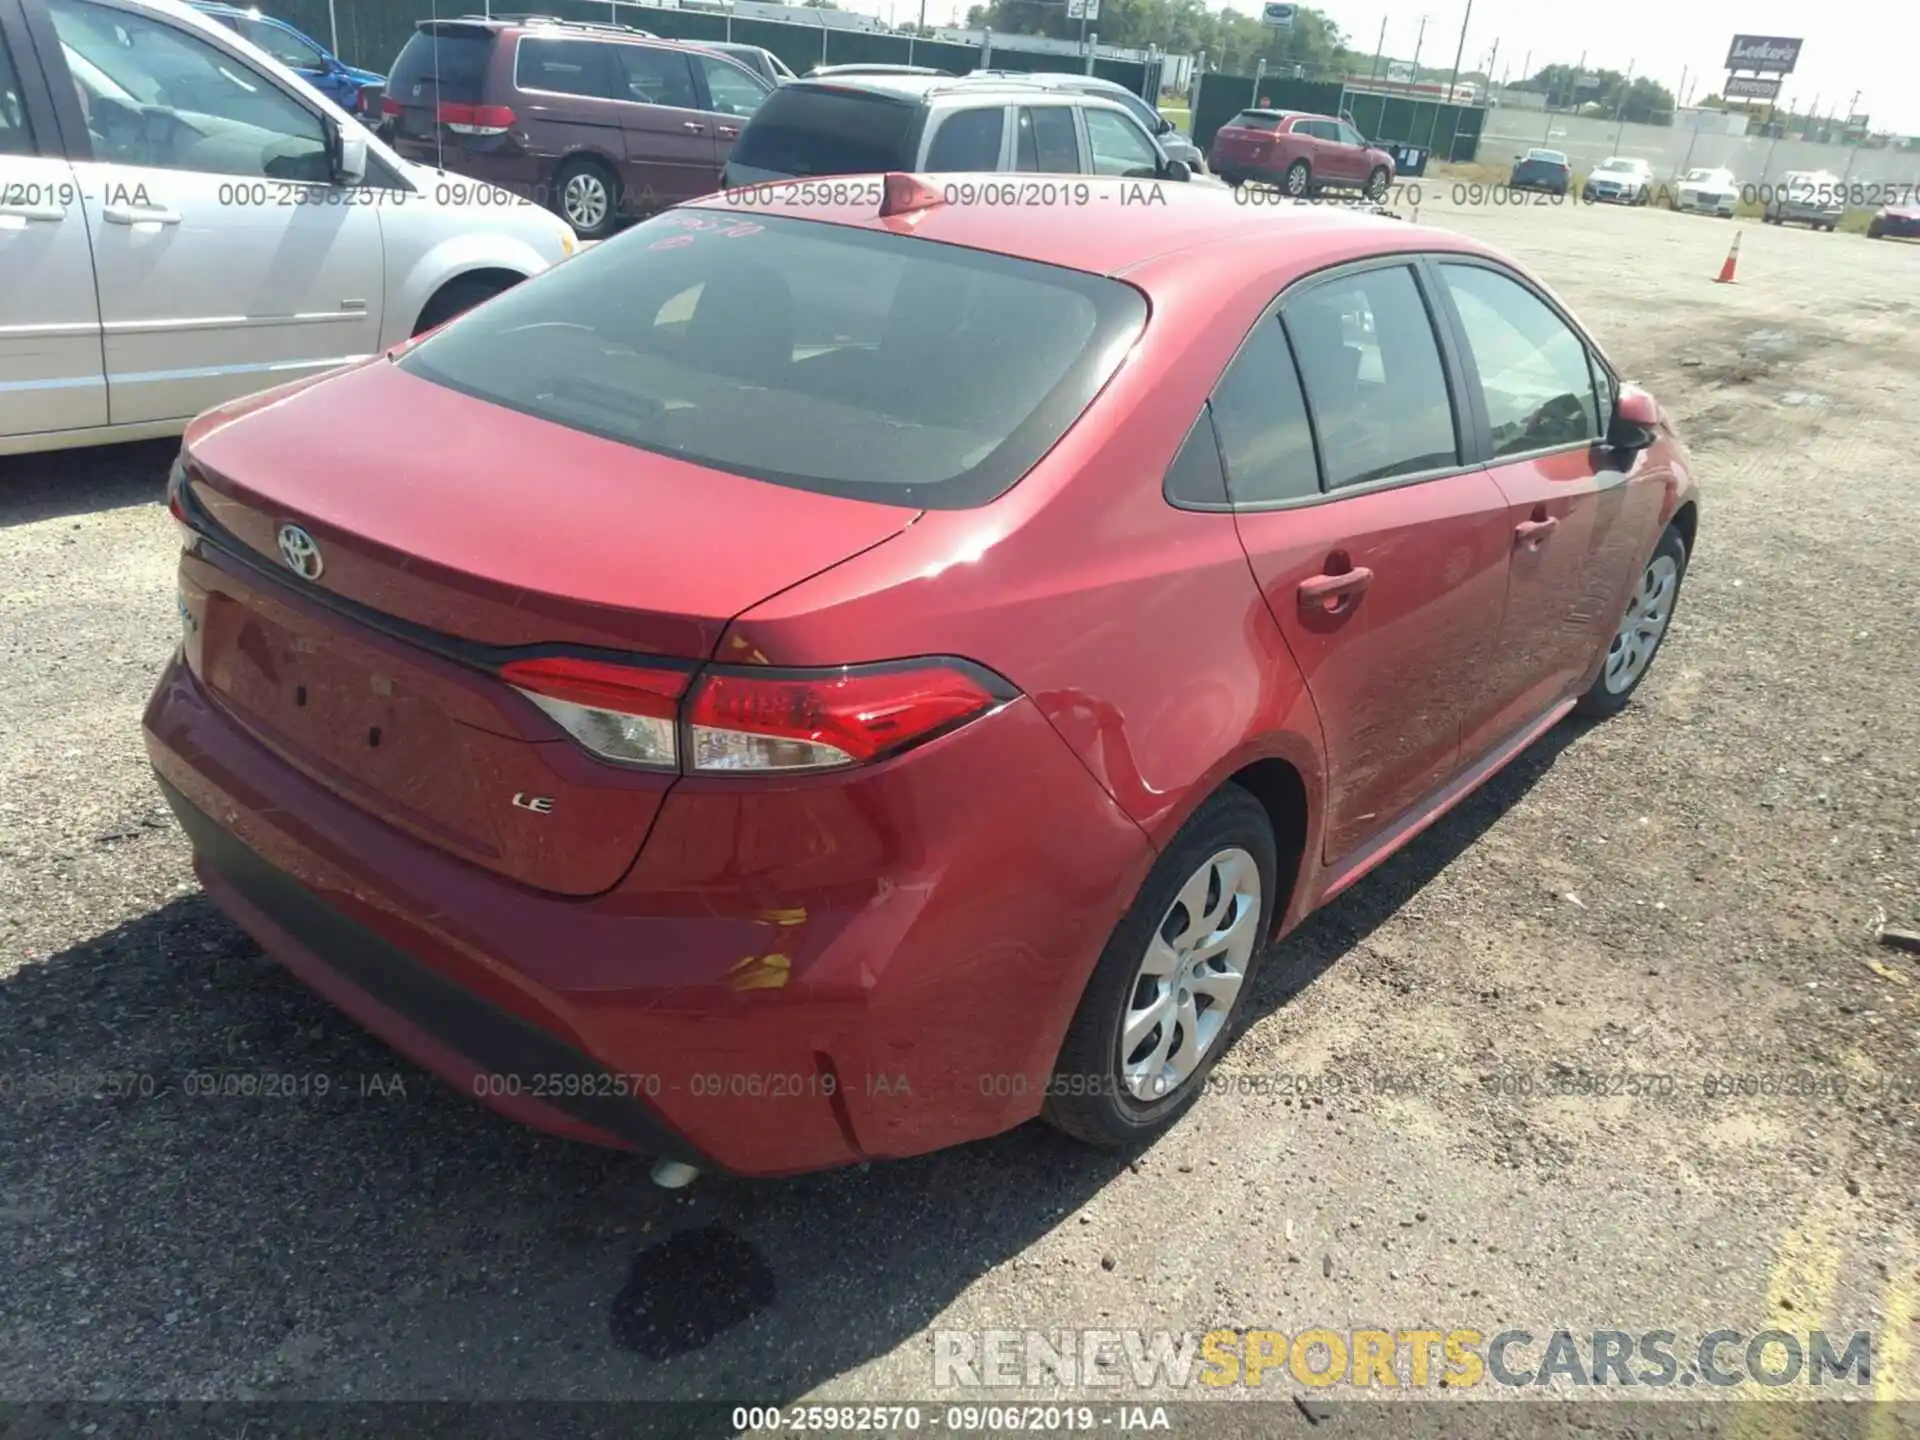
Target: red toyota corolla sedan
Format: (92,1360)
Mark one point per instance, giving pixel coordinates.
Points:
(803,683)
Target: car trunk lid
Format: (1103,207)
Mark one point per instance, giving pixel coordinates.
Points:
(372,666)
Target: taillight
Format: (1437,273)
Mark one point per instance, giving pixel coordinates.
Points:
(744,720)
(627,713)
(741,719)
(390,107)
(177,500)
(475,119)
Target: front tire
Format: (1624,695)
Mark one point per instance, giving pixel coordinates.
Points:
(1377,183)
(1162,1002)
(1875,230)
(1299,180)
(1643,627)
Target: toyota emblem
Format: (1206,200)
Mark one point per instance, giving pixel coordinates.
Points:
(300,552)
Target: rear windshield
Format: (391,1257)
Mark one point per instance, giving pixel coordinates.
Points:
(1254,120)
(877,366)
(454,55)
(820,130)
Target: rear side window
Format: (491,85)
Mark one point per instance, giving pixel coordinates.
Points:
(564,67)
(1253,120)
(1262,420)
(871,365)
(452,58)
(968,140)
(1046,141)
(821,130)
(1374,381)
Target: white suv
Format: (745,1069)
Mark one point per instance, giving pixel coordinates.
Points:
(182,221)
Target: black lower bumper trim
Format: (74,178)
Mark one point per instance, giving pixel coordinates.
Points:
(503,1046)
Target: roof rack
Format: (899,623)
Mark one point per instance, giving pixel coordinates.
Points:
(519,18)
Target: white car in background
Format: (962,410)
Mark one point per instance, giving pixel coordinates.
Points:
(1710,192)
(1620,180)
(183,221)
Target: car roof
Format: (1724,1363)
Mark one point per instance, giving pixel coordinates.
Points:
(1158,219)
(918,89)
(535,24)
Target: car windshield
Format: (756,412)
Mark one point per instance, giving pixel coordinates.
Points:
(1617,164)
(1255,120)
(1708,177)
(820,356)
(1552,157)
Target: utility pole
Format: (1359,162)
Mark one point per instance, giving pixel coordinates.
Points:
(1578,71)
(1620,110)
(1459,50)
(1677,102)
(1492,57)
(1419,40)
(1379,46)
(916,34)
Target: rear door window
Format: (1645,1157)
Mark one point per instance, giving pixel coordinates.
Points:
(565,67)
(968,140)
(15,137)
(1252,120)
(820,356)
(443,62)
(1046,141)
(1373,376)
(283,45)
(825,130)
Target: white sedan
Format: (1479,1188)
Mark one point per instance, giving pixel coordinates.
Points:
(183,221)
(1710,192)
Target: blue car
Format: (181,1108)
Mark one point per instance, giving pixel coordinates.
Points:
(310,60)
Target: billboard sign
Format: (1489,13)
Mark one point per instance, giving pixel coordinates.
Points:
(1278,16)
(1752,87)
(1766,54)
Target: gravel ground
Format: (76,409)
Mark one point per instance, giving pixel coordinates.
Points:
(1691,890)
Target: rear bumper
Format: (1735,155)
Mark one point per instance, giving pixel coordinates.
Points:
(1898,226)
(788,979)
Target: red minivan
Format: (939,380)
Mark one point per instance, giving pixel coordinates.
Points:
(1302,154)
(841,674)
(596,122)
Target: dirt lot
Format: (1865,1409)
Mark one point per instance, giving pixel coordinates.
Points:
(1690,891)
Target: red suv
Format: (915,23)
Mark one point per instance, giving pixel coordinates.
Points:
(834,677)
(1302,154)
(593,121)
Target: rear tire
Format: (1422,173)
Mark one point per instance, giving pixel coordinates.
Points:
(1875,230)
(1299,180)
(586,194)
(1642,630)
(1225,848)
(1377,183)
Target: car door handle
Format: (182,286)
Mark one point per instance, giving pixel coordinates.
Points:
(135,215)
(729,132)
(1333,592)
(1533,533)
(694,125)
(52,214)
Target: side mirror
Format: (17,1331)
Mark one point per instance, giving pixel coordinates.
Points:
(1177,170)
(1165,127)
(348,154)
(1635,423)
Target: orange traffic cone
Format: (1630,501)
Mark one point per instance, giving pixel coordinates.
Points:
(1725,277)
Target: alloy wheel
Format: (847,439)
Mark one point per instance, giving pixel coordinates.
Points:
(1649,609)
(585,200)
(1190,976)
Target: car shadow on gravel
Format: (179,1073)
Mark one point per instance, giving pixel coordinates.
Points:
(59,483)
(333,1222)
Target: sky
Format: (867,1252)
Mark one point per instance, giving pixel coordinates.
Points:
(1869,46)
